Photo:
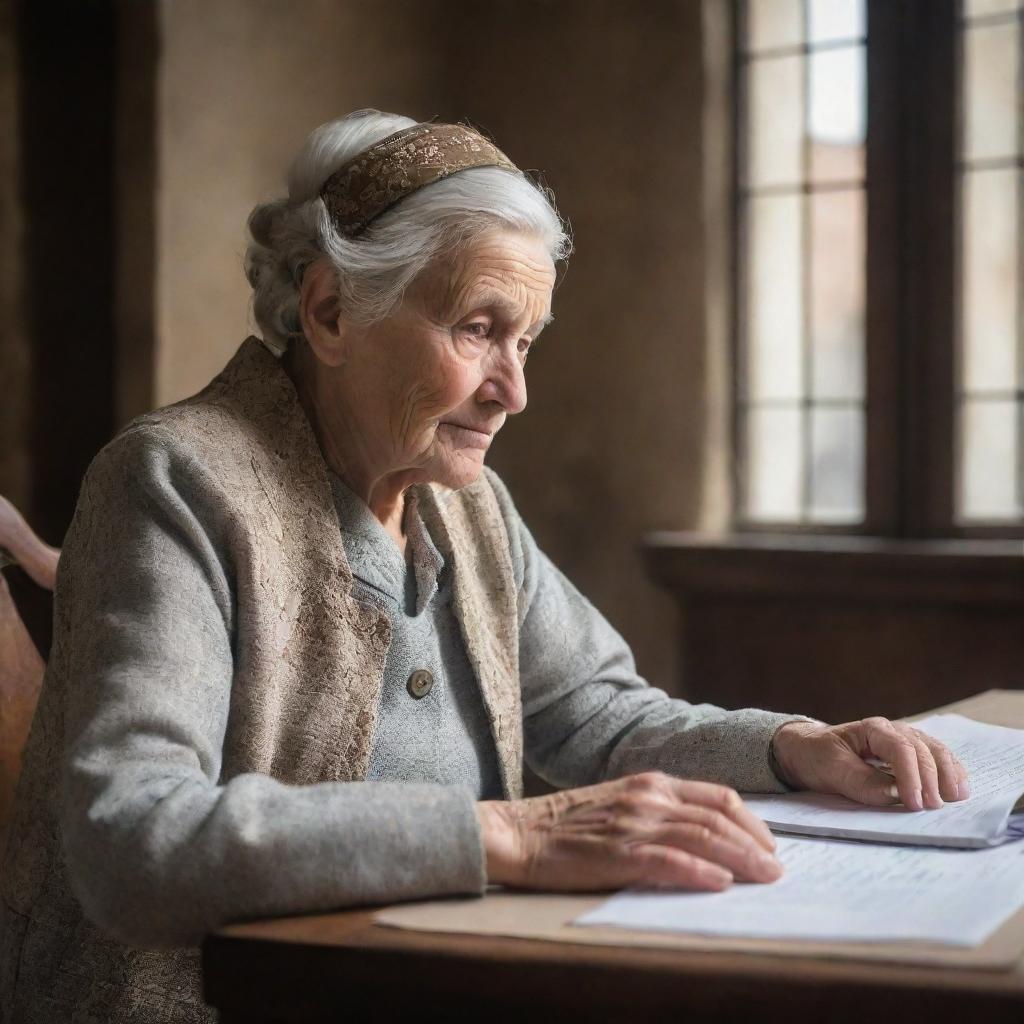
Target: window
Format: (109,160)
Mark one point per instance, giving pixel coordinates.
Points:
(802,208)
(990,188)
(879,337)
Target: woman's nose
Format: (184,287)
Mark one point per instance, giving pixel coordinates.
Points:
(506,383)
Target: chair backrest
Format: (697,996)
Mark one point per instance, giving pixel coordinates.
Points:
(21,666)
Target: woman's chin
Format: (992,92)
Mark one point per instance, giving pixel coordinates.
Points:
(459,469)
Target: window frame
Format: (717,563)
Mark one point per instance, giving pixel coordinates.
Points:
(913,115)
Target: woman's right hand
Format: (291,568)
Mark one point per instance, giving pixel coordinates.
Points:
(648,830)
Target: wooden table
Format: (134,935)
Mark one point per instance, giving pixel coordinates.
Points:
(331,967)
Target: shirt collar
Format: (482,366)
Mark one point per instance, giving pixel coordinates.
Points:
(373,555)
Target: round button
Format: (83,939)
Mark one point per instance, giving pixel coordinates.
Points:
(420,683)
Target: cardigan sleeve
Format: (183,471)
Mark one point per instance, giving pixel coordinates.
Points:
(159,848)
(589,716)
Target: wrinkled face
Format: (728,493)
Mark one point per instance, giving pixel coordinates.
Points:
(434,382)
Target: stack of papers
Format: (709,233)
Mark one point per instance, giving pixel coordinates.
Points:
(845,891)
(897,884)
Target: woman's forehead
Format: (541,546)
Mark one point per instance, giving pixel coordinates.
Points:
(502,302)
(507,271)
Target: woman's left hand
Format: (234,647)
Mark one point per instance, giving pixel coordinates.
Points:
(833,759)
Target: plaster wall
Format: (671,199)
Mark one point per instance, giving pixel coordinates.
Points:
(606,98)
(240,85)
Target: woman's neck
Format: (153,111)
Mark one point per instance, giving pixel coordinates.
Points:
(342,446)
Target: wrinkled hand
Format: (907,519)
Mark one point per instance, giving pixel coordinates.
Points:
(645,830)
(832,759)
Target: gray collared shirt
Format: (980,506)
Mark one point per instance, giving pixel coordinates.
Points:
(443,736)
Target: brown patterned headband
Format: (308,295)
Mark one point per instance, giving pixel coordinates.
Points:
(372,182)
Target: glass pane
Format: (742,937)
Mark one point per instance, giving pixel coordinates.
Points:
(837,467)
(990,252)
(774,300)
(773,23)
(775,121)
(829,20)
(979,8)
(837,114)
(991,91)
(988,473)
(838,264)
(774,464)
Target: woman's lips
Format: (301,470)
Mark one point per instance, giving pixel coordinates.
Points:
(469,437)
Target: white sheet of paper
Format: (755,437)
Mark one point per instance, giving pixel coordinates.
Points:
(994,758)
(847,892)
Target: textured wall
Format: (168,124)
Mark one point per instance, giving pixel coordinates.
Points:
(241,84)
(606,98)
(603,96)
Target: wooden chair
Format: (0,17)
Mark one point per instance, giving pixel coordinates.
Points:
(21,666)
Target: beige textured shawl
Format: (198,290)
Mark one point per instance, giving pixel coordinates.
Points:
(310,659)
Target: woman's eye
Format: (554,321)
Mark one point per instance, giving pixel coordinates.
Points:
(477,330)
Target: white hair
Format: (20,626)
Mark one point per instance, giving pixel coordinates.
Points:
(375,268)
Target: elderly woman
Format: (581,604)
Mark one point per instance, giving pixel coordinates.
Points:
(304,642)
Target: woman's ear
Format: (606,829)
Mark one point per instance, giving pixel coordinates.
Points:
(320,313)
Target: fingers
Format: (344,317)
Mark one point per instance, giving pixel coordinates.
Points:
(857,780)
(705,820)
(725,845)
(926,769)
(953,783)
(926,772)
(726,802)
(885,742)
(664,867)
